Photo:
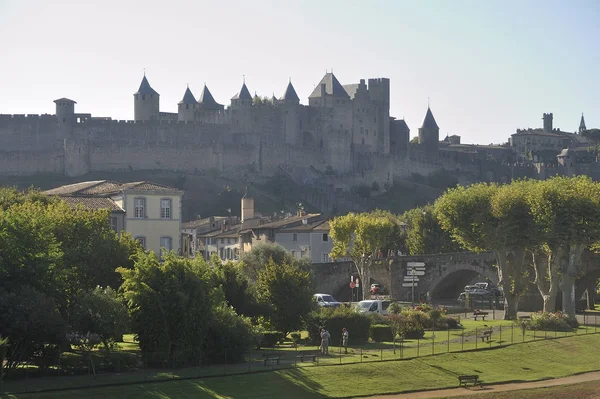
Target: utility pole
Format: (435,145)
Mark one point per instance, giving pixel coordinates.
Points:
(413,284)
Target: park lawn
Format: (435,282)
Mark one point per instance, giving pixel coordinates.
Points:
(584,390)
(521,362)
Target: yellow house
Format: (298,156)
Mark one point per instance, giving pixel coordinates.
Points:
(152,211)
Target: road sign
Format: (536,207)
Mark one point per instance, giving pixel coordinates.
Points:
(411,278)
(411,264)
(352,285)
(416,273)
(409,284)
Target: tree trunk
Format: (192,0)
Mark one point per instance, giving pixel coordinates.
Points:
(547,276)
(511,306)
(568,294)
(510,276)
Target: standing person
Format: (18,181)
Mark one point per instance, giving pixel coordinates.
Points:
(345,339)
(325,341)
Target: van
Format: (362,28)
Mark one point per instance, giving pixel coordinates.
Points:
(374,306)
(326,301)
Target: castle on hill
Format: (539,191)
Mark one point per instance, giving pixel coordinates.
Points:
(345,133)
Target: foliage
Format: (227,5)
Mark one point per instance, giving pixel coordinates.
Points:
(360,237)
(334,319)
(381,333)
(230,278)
(229,337)
(270,338)
(254,261)
(287,290)
(101,312)
(424,235)
(3,349)
(556,321)
(170,306)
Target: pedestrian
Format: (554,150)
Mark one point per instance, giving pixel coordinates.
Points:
(345,339)
(325,342)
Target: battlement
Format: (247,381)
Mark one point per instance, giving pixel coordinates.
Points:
(20,117)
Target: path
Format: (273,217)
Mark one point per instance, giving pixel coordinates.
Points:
(573,379)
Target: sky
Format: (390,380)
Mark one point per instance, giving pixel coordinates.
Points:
(485,67)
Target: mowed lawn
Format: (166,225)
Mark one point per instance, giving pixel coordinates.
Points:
(520,362)
(584,390)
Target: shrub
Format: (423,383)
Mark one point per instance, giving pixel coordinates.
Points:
(381,333)
(557,321)
(334,319)
(295,337)
(228,338)
(452,322)
(270,338)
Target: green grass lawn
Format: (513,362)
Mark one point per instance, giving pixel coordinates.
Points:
(522,362)
(584,390)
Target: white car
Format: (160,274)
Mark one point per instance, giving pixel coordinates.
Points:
(326,301)
(373,306)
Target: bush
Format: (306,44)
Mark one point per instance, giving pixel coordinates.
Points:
(228,338)
(295,337)
(334,319)
(452,322)
(270,338)
(381,333)
(557,321)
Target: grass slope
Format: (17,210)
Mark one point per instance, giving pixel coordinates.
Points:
(521,362)
(584,390)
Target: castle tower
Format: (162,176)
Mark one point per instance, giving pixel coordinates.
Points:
(379,91)
(208,108)
(186,108)
(65,110)
(547,122)
(291,115)
(241,105)
(243,98)
(146,102)
(328,92)
(582,127)
(429,132)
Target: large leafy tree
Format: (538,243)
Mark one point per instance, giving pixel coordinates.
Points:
(229,277)
(254,261)
(361,236)
(488,217)
(424,235)
(287,290)
(170,305)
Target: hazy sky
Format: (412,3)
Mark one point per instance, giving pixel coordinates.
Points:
(487,66)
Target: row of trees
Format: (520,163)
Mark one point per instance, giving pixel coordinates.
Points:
(537,229)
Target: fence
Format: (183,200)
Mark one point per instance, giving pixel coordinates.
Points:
(130,368)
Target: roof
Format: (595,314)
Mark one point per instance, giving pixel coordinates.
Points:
(188,97)
(283,223)
(244,94)
(582,123)
(540,132)
(429,121)
(192,224)
(93,203)
(107,187)
(64,99)
(206,97)
(332,87)
(145,87)
(290,93)
(351,89)
(401,123)
(319,226)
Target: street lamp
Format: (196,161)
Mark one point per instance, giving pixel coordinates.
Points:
(413,284)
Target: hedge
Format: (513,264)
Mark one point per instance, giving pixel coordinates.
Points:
(334,319)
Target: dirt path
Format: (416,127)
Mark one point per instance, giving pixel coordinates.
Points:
(574,379)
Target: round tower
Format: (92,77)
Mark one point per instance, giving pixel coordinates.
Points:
(65,110)
(292,117)
(146,102)
(186,108)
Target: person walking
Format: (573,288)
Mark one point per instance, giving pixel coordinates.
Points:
(345,335)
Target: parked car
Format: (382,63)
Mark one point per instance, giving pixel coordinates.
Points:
(475,293)
(374,306)
(326,301)
(497,291)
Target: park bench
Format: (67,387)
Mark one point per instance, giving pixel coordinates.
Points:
(274,359)
(464,380)
(479,313)
(485,335)
(307,356)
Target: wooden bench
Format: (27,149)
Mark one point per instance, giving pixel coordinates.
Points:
(308,356)
(464,380)
(478,314)
(485,335)
(275,359)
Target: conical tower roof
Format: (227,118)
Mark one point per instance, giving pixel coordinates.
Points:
(145,87)
(206,97)
(188,97)
(244,94)
(582,126)
(332,87)
(290,93)
(429,121)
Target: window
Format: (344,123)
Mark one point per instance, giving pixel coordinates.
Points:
(139,208)
(325,237)
(294,237)
(222,241)
(165,209)
(166,243)
(142,241)
(113,223)
(293,254)
(326,258)
(229,241)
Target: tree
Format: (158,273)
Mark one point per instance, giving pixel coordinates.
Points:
(488,217)
(170,304)
(360,237)
(254,261)
(424,235)
(288,290)
(235,285)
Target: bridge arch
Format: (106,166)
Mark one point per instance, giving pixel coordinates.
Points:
(450,284)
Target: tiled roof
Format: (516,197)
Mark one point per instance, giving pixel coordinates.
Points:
(188,97)
(107,187)
(148,186)
(540,132)
(290,93)
(282,223)
(332,87)
(320,225)
(73,188)
(244,94)
(145,87)
(192,224)
(429,121)
(401,123)
(93,203)
(206,99)
(351,89)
